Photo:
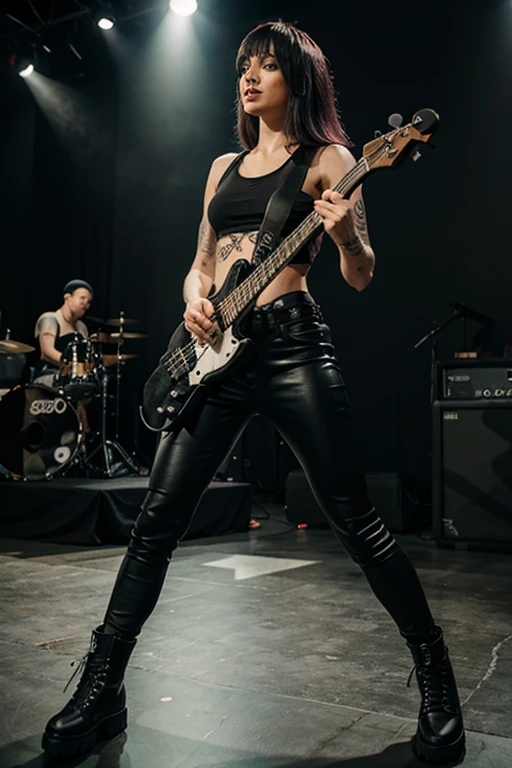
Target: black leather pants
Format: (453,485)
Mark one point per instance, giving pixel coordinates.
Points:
(293,379)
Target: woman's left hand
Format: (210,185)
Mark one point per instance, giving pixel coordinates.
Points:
(336,213)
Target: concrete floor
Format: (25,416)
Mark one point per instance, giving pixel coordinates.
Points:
(266,650)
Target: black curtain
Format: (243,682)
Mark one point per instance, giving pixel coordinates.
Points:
(119,201)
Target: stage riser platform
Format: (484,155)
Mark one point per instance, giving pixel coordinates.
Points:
(71,511)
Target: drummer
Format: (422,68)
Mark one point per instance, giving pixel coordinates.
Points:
(53,329)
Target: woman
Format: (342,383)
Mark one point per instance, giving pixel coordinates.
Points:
(285,103)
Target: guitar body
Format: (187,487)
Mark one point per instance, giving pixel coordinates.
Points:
(170,395)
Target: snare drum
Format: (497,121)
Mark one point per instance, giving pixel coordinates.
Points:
(81,368)
(40,431)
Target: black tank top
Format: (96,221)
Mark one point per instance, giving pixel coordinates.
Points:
(240,202)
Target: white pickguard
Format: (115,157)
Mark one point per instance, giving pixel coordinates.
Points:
(210,359)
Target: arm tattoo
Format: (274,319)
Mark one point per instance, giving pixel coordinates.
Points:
(360,222)
(235,244)
(206,240)
(354,246)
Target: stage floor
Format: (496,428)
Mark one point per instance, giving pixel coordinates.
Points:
(266,649)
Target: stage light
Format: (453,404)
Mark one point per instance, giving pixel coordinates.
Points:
(27,71)
(183,7)
(24,65)
(106,22)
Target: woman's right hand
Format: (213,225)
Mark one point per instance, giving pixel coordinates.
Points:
(197,319)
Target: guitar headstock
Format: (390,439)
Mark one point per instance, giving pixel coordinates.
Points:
(392,148)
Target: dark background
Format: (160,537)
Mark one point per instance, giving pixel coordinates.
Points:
(103,168)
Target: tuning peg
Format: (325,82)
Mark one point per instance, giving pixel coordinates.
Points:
(377,134)
(395,120)
(416,155)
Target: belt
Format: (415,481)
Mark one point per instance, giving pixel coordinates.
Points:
(296,305)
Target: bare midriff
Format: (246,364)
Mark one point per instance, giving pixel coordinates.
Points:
(240,246)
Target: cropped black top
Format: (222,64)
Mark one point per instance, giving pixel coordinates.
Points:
(240,202)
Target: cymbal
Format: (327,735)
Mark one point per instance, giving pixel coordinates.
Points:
(114,338)
(121,321)
(126,335)
(11,347)
(112,359)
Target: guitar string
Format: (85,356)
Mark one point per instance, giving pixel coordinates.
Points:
(310,223)
(253,282)
(244,290)
(237,300)
(187,352)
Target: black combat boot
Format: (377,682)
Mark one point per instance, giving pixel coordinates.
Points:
(97,709)
(440,735)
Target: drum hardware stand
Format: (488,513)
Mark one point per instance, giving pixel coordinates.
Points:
(132,463)
(79,460)
(108,447)
(118,373)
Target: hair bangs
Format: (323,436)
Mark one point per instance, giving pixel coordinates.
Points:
(265,40)
(312,118)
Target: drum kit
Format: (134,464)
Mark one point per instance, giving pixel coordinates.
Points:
(44,430)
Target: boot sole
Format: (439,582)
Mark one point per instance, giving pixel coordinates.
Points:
(105,729)
(442,754)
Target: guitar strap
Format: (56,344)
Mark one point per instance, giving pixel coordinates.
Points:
(281,203)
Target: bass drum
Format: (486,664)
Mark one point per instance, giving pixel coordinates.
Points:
(40,432)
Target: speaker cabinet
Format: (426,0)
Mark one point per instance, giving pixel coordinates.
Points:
(472,475)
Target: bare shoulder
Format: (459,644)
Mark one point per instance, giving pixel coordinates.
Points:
(334,161)
(220,164)
(224,160)
(47,323)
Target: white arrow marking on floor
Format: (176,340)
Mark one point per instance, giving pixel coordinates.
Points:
(249,566)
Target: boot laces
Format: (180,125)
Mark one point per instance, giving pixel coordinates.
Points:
(81,665)
(94,676)
(435,684)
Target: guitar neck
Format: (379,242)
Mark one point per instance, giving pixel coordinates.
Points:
(234,305)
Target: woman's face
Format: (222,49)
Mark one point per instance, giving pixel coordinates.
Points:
(263,89)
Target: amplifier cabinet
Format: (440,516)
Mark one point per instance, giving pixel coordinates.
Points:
(472,474)
(482,379)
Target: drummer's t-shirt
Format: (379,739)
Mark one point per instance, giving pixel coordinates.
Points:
(55,323)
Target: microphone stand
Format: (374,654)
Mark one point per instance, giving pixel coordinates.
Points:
(433,354)
(459,311)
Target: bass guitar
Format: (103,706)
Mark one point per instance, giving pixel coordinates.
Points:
(178,384)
